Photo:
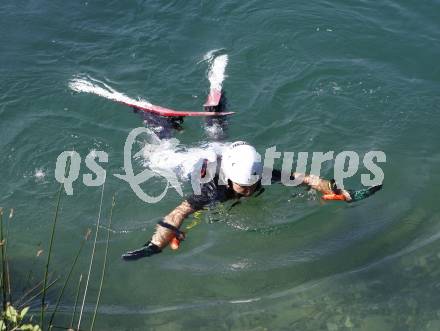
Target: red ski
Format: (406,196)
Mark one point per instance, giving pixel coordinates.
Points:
(87,86)
(162,111)
(213,98)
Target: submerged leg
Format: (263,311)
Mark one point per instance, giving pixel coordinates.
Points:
(163,126)
(216,127)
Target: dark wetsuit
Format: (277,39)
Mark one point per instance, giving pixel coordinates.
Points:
(212,192)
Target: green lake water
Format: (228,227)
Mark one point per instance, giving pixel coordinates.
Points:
(304,76)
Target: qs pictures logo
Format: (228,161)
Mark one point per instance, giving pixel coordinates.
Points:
(68,166)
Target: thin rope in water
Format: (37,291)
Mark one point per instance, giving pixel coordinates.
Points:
(92,257)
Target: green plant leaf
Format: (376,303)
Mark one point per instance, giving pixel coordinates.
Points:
(11,312)
(8,313)
(24,312)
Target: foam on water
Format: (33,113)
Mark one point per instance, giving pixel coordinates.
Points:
(209,55)
(169,155)
(216,73)
(94,86)
(39,174)
(165,154)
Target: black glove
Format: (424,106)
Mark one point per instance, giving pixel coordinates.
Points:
(147,250)
(362,194)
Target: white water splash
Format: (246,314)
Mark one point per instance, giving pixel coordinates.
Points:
(216,73)
(214,130)
(168,155)
(39,174)
(209,56)
(97,87)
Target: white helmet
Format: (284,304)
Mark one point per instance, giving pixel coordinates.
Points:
(241,164)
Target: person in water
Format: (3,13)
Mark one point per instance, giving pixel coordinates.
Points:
(239,175)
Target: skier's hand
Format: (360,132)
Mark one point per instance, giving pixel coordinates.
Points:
(351,195)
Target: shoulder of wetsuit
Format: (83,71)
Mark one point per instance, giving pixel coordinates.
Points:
(207,196)
(216,179)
